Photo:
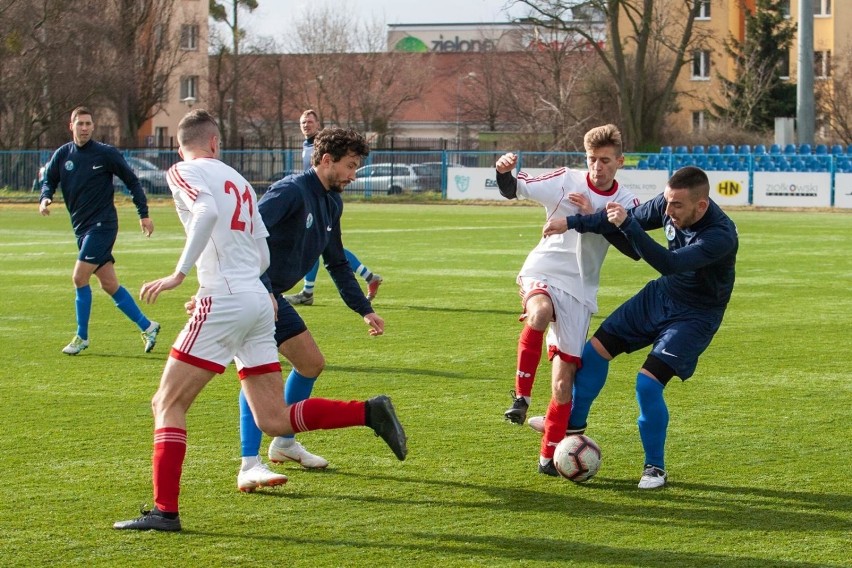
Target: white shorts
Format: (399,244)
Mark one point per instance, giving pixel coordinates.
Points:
(239,327)
(567,334)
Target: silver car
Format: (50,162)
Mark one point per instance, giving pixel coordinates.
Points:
(385,179)
(152,178)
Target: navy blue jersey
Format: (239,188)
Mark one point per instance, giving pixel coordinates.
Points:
(697,268)
(85,174)
(303,220)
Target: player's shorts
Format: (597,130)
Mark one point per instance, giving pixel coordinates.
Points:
(679,333)
(566,336)
(289,323)
(96,245)
(237,327)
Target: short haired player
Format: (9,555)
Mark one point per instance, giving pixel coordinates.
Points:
(559,279)
(234,319)
(677,314)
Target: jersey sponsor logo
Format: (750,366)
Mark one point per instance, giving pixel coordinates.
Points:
(310,221)
(670,232)
(69,165)
(97,167)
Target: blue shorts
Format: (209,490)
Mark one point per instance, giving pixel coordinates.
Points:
(289,324)
(96,245)
(679,333)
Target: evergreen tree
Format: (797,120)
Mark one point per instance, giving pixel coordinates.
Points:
(757,94)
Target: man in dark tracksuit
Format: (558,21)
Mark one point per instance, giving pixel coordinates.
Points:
(677,314)
(302,214)
(84,168)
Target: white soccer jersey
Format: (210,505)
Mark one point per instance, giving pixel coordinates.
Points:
(230,263)
(570,261)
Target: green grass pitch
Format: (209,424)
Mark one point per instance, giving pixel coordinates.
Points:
(759,441)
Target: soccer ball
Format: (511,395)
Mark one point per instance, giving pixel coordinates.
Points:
(577,457)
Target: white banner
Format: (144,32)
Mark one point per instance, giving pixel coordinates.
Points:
(472,183)
(729,188)
(645,184)
(843,191)
(791,189)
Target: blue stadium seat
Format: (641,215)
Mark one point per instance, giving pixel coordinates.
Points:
(790,149)
(713,149)
(665,149)
(804,149)
(744,149)
(821,150)
(698,149)
(681,150)
(729,149)
(837,149)
(849,150)
(844,165)
(642,164)
(775,149)
(759,149)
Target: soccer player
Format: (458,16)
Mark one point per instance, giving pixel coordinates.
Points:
(84,168)
(559,279)
(677,314)
(302,213)
(234,319)
(309,124)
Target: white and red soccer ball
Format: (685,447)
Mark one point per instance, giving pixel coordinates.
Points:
(577,457)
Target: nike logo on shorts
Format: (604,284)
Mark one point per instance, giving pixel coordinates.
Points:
(88,258)
(96,167)
(664,352)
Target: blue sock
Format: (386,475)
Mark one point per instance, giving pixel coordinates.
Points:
(83,306)
(250,434)
(311,279)
(356,266)
(588,383)
(653,419)
(297,388)
(124,302)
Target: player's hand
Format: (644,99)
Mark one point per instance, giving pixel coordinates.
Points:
(147,226)
(43,206)
(150,290)
(190,305)
(377,324)
(506,163)
(555,227)
(582,202)
(615,213)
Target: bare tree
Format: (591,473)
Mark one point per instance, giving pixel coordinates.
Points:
(219,13)
(647,44)
(834,98)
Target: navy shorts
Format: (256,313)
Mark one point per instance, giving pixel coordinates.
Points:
(679,333)
(96,245)
(289,324)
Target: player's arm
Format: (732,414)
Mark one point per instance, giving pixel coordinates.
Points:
(334,259)
(49,184)
(198,234)
(506,182)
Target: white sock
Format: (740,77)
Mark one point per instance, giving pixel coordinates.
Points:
(249,462)
(543,460)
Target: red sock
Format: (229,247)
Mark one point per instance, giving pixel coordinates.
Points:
(169,452)
(326,414)
(529,356)
(555,423)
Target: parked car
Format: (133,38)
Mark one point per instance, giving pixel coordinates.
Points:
(431,175)
(152,178)
(385,179)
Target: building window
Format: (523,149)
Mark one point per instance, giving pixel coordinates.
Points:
(189,37)
(161,137)
(822,64)
(784,65)
(189,87)
(785,8)
(698,121)
(701,65)
(703,9)
(822,7)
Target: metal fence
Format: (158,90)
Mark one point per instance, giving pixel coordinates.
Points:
(19,169)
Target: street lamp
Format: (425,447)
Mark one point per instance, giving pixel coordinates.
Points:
(470,75)
(189,101)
